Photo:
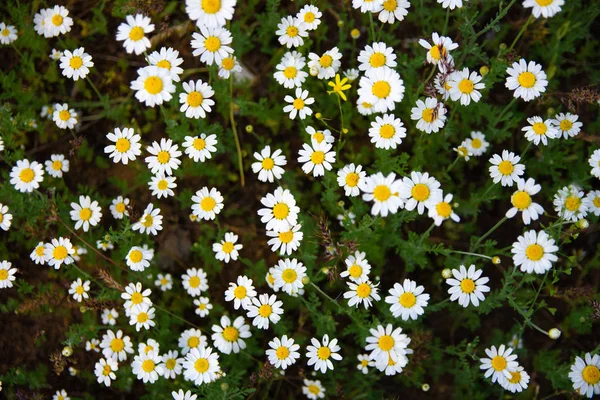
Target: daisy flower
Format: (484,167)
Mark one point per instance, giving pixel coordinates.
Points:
(105,369)
(162,186)
(207,203)
(569,204)
(133,33)
(153,86)
(148,346)
(228,336)
(283,352)
(592,200)
(439,50)
(357,267)
(429,114)
(142,316)
(521,201)
(39,22)
(451,4)
(171,365)
(286,241)
(352,74)
(109,317)
(126,145)
(320,353)
(118,207)
(407,300)
(441,209)
(86,213)
(382,88)
(540,130)
(58,252)
(467,286)
(76,64)
(373,6)
(527,80)
(326,65)
(5,218)
(534,251)
(210,13)
(299,104)
(419,191)
(7,275)
(310,15)
(387,132)
(394,10)
(212,44)
(138,259)
(506,169)
(476,144)
(593,161)
(203,306)
(164,157)
(164,282)
(54,55)
(196,101)
(517,382)
(264,309)
(201,366)
(385,344)
(319,136)
(64,117)
(362,292)
(181,395)
(500,364)
(291,32)
(191,339)
(280,212)
(465,86)
(228,66)
(289,72)
(57,21)
(79,290)
(147,367)
(228,249)
(544,8)
(200,148)
(384,192)
(585,375)
(61,395)
(168,59)
(316,159)
(288,275)
(567,125)
(314,390)
(135,295)
(37,255)
(269,165)
(47,111)
(8,33)
(194,281)
(56,165)
(350,178)
(364,363)
(116,346)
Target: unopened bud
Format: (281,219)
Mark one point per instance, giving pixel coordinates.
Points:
(583,224)
(341,203)
(249,129)
(446,273)
(425,387)
(318,115)
(340,23)
(224,386)
(305,280)
(502,46)
(496,260)
(325,270)
(67,351)
(484,70)
(355,33)
(554,333)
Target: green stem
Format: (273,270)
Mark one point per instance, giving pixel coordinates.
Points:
(525,151)
(235,134)
(466,253)
(452,165)
(446,22)
(17,50)
(426,233)
(504,110)
(422,85)
(372,26)
(488,233)
(521,32)
(97,91)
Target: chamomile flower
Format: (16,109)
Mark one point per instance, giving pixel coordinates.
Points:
(394,10)
(527,80)
(567,125)
(441,209)
(39,22)
(162,186)
(105,369)
(419,191)
(7,275)
(365,6)
(116,346)
(283,352)
(47,111)
(212,44)
(142,316)
(351,177)
(79,290)
(387,132)
(407,300)
(585,375)
(58,252)
(451,4)
(264,309)
(298,105)
(8,33)
(506,169)
(364,363)
(181,395)
(61,395)
(210,13)
(203,306)
(362,292)
(153,86)
(440,48)
(269,165)
(126,145)
(64,117)
(465,86)
(200,148)
(167,58)
(196,101)
(148,346)
(5,218)
(229,336)
(57,165)
(500,364)
(539,130)
(191,339)
(544,8)
(385,344)
(286,241)
(316,159)
(164,282)
(86,213)
(288,275)
(441,85)
(171,364)
(467,286)
(280,212)
(429,114)
(291,32)
(194,281)
(383,191)
(207,203)
(54,55)
(592,200)
(314,390)
(133,33)
(327,65)
(311,16)
(138,259)
(521,201)
(57,21)
(593,161)
(76,64)
(357,267)
(118,207)
(517,382)
(146,367)
(352,74)
(476,144)
(364,107)
(319,136)
(290,72)
(382,88)
(569,204)
(320,353)
(135,295)
(201,365)
(227,249)
(109,316)
(37,255)
(164,157)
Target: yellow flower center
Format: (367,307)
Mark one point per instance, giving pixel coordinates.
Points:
(572,203)
(3,274)
(498,363)
(212,43)
(106,370)
(142,317)
(5,32)
(117,345)
(230,334)
(170,364)
(163,157)
(428,115)
(265,310)
(527,79)
(389,5)
(164,64)
(290,72)
(565,125)
(79,290)
(57,20)
(381,89)
(136,33)
(162,184)
(467,285)
(211,6)
(286,237)
(387,131)
(515,377)
(239,292)
(597,202)
(153,84)
(85,214)
(355,271)
(420,192)
(309,17)
(194,282)
(270,278)
(318,137)
(281,211)
(443,209)
(76,62)
(435,52)
(60,253)
(148,366)
(122,145)
(326,60)
(291,31)
(64,115)
(199,144)
(26,175)
(194,99)
(282,352)
(314,389)
(521,200)
(466,86)
(208,203)
(201,365)
(298,104)
(136,256)
(544,3)
(591,374)
(317,157)
(540,128)
(39,251)
(57,165)
(148,221)
(137,298)
(227,247)
(506,167)
(289,275)
(268,163)
(377,60)
(476,143)
(382,193)
(407,300)
(386,342)
(363,290)
(352,179)
(323,353)
(534,252)
(193,342)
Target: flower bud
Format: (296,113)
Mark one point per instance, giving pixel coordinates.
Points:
(341,203)
(224,386)
(446,273)
(318,115)
(484,70)
(340,23)
(355,33)
(496,260)
(249,129)
(554,333)
(305,280)
(325,270)
(67,351)
(583,224)
(425,387)
(502,46)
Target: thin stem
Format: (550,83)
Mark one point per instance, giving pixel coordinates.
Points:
(446,22)
(17,50)
(526,148)
(488,233)
(426,233)
(96,90)
(235,134)
(508,106)
(422,85)
(490,187)
(452,165)
(372,26)
(521,32)
(466,253)
(339,145)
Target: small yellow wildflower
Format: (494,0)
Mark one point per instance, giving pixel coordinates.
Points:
(339,86)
